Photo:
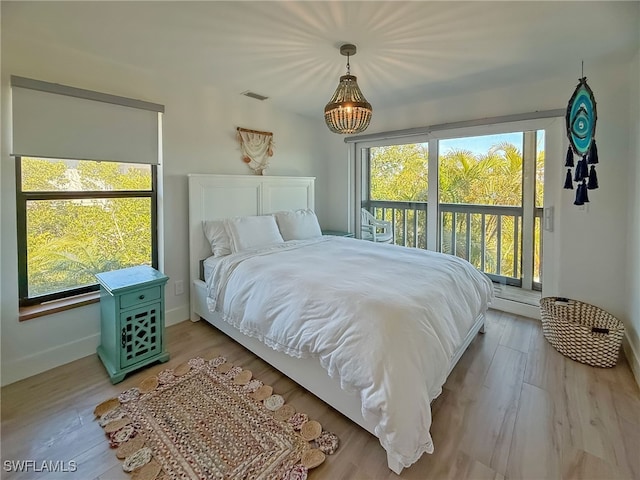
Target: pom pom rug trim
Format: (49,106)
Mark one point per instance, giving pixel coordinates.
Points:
(208,419)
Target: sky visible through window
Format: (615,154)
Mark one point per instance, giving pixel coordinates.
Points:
(482,144)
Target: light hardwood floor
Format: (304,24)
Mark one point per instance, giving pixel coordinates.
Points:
(517,294)
(512,408)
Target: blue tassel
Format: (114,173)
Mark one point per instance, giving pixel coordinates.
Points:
(593,153)
(593,179)
(569,161)
(579,200)
(568,183)
(585,197)
(585,169)
(581,170)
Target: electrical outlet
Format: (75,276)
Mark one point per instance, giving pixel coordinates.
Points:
(179,287)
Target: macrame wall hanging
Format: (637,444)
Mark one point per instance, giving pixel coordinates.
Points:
(256,148)
(581,129)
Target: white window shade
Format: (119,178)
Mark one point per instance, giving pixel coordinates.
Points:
(56,121)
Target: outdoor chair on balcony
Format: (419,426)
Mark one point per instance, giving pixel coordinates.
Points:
(375,230)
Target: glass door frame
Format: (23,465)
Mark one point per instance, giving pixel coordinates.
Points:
(548,121)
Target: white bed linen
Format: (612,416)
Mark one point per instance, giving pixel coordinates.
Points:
(209,264)
(385,320)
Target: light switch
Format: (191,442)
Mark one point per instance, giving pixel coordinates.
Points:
(548,219)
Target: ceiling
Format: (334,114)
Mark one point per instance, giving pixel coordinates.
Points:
(289,50)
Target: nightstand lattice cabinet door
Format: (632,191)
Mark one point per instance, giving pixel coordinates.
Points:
(140,335)
(131,319)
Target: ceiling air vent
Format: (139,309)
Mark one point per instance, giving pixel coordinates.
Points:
(257,96)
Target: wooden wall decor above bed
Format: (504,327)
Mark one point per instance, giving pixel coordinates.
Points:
(256,147)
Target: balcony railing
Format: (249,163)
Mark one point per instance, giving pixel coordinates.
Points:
(488,236)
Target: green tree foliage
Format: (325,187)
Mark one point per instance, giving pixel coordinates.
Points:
(70,240)
(400,173)
(494,178)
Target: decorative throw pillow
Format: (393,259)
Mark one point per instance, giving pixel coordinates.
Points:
(216,233)
(252,232)
(298,224)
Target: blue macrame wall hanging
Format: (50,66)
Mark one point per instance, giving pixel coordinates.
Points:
(581,129)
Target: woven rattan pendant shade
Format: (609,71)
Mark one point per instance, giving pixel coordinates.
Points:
(348,111)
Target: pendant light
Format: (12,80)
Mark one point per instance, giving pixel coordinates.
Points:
(348,111)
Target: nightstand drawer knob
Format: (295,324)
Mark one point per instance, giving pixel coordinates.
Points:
(134,298)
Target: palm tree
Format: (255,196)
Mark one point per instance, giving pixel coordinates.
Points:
(494,178)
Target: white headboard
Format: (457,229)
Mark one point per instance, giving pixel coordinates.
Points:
(214,197)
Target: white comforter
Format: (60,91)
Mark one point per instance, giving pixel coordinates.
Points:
(386,320)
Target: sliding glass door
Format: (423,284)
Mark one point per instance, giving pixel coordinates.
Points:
(475,193)
(487,202)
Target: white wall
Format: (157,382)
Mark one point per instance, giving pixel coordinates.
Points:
(199,137)
(590,244)
(633,254)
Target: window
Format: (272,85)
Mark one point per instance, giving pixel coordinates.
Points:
(87,175)
(79,218)
(475,191)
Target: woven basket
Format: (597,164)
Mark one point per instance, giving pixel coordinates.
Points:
(581,331)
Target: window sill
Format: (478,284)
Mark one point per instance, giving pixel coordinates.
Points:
(55,306)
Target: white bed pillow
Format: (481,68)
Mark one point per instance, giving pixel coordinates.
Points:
(216,233)
(298,224)
(252,232)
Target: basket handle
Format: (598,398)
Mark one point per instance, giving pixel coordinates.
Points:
(600,330)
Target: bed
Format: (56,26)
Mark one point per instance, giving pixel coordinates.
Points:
(274,301)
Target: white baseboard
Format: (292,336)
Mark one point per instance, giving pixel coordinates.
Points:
(176,315)
(39,362)
(632,357)
(516,308)
(33,364)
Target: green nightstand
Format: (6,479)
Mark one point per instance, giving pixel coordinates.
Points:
(337,233)
(131,319)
